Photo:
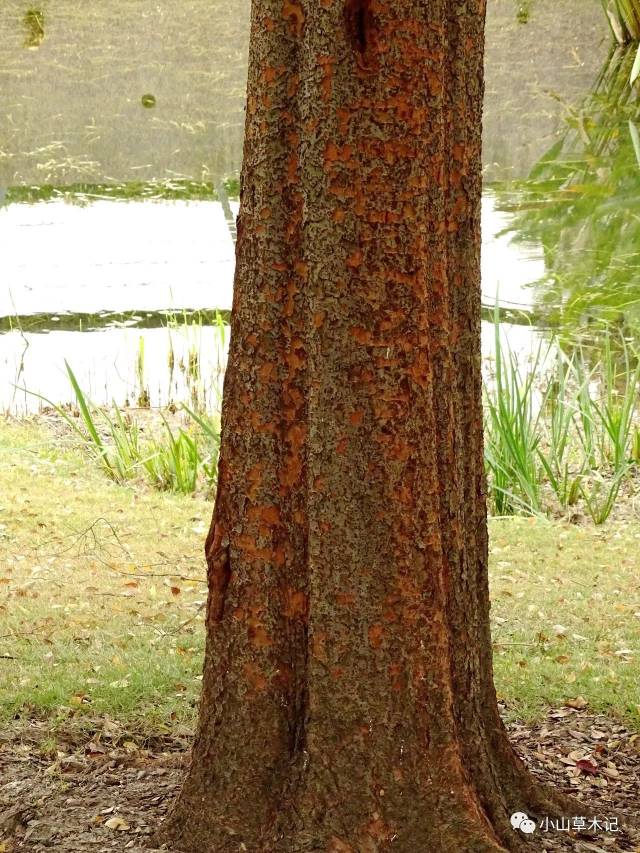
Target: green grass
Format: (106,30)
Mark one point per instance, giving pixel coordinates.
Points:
(566,616)
(85,193)
(100,589)
(182,459)
(561,435)
(101,586)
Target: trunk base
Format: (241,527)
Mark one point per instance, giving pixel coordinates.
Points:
(455,825)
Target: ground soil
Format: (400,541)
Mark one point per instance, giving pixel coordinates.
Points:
(111,793)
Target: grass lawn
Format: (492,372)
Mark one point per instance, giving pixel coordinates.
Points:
(566,616)
(102,586)
(97,582)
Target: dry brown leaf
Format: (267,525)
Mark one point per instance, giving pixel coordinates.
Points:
(579,703)
(576,755)
(118,824)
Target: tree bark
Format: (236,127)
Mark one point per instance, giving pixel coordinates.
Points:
(348,700)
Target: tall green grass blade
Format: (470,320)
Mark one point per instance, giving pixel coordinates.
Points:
(635,71)
(85,411)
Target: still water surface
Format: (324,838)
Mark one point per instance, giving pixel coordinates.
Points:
(137,94)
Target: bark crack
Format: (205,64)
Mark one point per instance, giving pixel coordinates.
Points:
(219,565)
(359,25)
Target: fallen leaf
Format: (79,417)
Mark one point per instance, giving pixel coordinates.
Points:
(577,735)
(587,767)
(561,712)
(118,824)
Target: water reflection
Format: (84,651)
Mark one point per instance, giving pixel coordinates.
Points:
(121,145)
(535,71)
(72,110)
(34,25)
(115,256)
(89,282)
(182,361)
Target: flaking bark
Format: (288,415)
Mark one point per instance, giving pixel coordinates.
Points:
(348,700)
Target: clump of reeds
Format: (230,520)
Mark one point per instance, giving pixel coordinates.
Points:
(182,460)
(563,436)
(562,433)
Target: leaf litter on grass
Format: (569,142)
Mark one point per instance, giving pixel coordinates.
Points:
(101,590)
(105,585)
(109,793)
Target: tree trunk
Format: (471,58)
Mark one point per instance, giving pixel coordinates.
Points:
(348,700)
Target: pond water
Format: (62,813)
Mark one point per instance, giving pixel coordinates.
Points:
(120,147)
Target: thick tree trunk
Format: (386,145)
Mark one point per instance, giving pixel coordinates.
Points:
(348,700)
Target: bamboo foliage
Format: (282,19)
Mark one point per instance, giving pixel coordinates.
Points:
(580,202)
(624,18)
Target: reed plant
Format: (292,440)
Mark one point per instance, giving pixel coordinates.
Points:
(182,460)
(557,454)
(188,369)
(561,436)
(174,461)
(617,410)
(144,398)
(112,441)
(209,426)
(511,434)
(635,447)
(624,19)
